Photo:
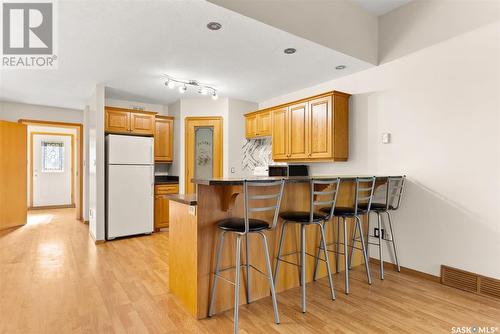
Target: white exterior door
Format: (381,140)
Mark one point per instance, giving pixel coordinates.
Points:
(52,169)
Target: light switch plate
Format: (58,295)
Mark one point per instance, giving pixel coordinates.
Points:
(386,138)
(192,210)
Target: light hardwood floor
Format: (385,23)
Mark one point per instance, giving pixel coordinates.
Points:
(53,279)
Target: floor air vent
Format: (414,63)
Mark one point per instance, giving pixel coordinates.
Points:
(471,282)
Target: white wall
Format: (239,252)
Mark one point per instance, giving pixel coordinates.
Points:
(175,110)
(420,24)
(11,111)
(159,108)
(236,134)
(442,107)
(95,126)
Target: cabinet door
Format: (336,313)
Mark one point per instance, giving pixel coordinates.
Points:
(164,139)
(161,212)
(142,124)
(264,124)
(320,128)
(117,121)
(279,127)
(251,126)
(298,135)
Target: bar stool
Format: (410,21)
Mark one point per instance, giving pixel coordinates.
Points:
(393,192)
(310,218)
(363,195)
(242,227)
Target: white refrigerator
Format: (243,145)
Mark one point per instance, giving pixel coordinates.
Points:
(129,185)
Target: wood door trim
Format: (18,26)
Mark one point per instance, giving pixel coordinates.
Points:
(80,136)
(220,144)
(72,136)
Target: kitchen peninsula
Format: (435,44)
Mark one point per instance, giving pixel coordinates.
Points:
(193,240)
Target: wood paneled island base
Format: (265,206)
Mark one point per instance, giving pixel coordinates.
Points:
(194,237)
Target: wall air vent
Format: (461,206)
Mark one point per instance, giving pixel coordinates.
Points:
(471,282)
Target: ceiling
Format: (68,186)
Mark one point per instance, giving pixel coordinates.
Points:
(380,7)
(129,46)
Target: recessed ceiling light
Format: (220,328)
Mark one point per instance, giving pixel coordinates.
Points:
(289,51)
(340,67)
(214,25)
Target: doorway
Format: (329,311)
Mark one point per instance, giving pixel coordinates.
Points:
(203,155)
(52,156)
(56,138)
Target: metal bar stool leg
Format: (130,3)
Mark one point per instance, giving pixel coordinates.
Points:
(323,241)
(303,264)
(379,225)
(346,269)
(216,277)
(318,254)
(393,241)
(362,236)
(237,283)
(280,247)
(270,278)
(337,247)
(247,269)
(353,245)
(368,235)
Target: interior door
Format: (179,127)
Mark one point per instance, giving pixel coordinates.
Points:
(53,159)
(298,136)
(203,150)
(13,174)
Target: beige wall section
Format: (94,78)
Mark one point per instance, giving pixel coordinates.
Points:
(421,24)
(11,111)
(94,124)
(341,25)
(441,105)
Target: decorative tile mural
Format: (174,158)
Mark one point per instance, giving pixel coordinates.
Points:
(256,152)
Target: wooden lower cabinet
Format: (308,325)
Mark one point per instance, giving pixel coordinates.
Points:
(162,203)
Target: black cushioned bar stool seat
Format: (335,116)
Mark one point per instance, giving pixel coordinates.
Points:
(302,216)
(376,207)
(341,211)
(238,225)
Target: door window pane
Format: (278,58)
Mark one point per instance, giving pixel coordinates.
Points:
(204,152)
(53,156)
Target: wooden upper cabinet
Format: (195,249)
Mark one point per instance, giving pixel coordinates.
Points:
(298,136)
(164,138)
(264,124)
(279,124)
(320,128)
(117,121)
(251,126)
(126,121)
(258,124)
(143,124)
(313,129)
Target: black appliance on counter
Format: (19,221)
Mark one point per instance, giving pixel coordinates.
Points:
(288,170)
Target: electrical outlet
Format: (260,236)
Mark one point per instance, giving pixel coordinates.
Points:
(233,170)
(376,232)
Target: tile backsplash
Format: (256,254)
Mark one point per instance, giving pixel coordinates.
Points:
(256,152)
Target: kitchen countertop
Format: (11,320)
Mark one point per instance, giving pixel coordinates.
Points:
(189,199)
(166,179)
(288,179)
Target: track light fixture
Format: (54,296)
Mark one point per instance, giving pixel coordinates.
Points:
(184,84)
